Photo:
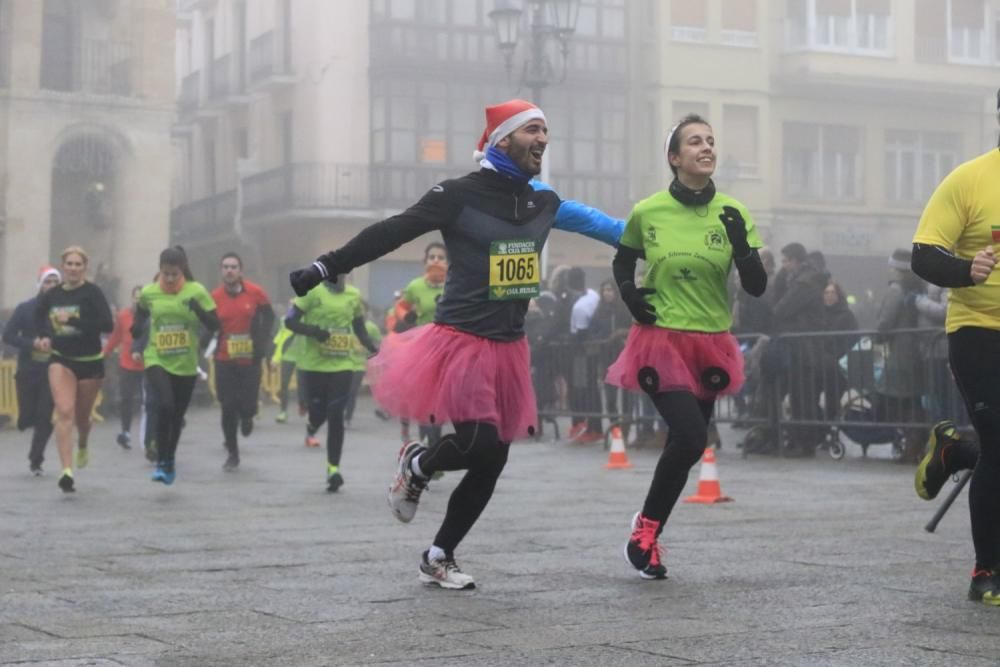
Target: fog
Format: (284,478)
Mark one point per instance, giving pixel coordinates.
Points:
(278,129)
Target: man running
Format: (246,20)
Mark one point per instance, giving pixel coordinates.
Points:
(34,400)
(953,248)
(471,366)
(246,319)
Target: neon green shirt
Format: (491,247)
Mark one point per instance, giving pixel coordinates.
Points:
(173,326)
(688,258)
(334,312)
(424,299)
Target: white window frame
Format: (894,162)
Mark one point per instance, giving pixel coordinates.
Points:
(838,189)
(960,41)
(686,33)
(917,147)
(820,33)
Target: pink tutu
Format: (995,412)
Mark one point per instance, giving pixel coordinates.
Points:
(435,374)
(679,358)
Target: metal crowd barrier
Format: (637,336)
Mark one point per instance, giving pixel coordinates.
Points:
(802,391)
(8,390)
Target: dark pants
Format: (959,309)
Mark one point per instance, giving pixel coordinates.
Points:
(130,388)
(475,447)
(687,420)
(172,395)
(237,386)
(352,399)
(287,369)
(34,410)
(328,393)
(152,414)
(975,361)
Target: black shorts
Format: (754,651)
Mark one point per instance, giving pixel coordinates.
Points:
(83,370)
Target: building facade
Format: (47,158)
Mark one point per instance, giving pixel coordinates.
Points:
(86,108)
(836,119)
(303,121)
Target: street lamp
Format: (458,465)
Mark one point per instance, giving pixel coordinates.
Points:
(548,19)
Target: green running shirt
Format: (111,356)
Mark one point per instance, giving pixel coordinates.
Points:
(173,326)
(334,312)
(423,298)
(688,259)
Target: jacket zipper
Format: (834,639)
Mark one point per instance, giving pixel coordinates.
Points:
(515,206)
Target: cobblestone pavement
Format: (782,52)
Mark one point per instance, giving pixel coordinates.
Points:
(817,562)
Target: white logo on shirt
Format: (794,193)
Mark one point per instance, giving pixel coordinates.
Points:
(437,188)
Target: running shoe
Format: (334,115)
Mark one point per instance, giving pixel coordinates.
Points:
(82,457)
(642,550)
(164,473)
(66,482)
(334,480)
(246,426)
(444,572)
(931,473)
(985,587)
(124,440)
(282,417)
(36,470)
(232,462)
(406,487)
(312,441)
(576,430)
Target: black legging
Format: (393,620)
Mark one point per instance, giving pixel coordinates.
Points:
(287,368)
(237,386)
(34,410)
(687,420)
(130,390)
(172,395)
(975,361)
(328,394)
(476,447)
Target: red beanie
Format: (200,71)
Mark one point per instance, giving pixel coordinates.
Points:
(502,120)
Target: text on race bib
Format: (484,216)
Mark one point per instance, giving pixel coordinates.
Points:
(239,346)
(339,344)
(514,270)
(173,339)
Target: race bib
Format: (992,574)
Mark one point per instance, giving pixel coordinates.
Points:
(514,270)
(239,346)
(173,339)
(337,345)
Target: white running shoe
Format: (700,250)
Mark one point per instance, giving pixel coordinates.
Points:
(444,572)
(405,490)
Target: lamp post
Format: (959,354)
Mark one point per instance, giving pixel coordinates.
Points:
(548,20)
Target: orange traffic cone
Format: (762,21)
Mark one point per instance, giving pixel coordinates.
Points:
(617,458)
(709,490)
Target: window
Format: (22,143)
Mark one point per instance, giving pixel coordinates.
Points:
(687,21)
(739,140)
(967,31)
(822,162)
(915,162)
(930,26)
(59,34)
(861,27)
(739,22)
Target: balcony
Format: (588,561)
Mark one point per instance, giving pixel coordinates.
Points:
(106,67)
(307,187)
(187,101)
(205,219)
(269,62)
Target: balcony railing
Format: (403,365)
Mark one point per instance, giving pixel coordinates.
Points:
(304,186)
(267,57)
(187,101)
(106,67)
(205,218)
(220,85)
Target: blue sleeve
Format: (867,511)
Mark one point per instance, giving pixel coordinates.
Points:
(573,216)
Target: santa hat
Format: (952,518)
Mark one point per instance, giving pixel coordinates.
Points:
(47,271)
(502,120)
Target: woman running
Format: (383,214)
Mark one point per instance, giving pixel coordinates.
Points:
(329,317)
(471,366)
(34,400)
(129,368)
(70,319)
(173,307)
(286,343)
(680,351)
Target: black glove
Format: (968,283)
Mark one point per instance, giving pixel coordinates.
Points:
(195,307)
(736,230)
(322,335)
(410,317)
(303,280)
(635,298)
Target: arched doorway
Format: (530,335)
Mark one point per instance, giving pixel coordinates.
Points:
(83,196)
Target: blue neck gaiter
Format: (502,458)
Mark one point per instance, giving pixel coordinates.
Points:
(504,165)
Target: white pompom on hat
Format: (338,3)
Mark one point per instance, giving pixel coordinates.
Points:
(503,119)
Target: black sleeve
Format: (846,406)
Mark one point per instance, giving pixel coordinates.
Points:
(624,263)
(43,325)
(209,319)
(753,277)
(436,210)
(939,267)
(139,328)
(294,323)
(361,331)
(20,321)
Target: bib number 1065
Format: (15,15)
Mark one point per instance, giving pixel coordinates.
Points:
(515,269)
